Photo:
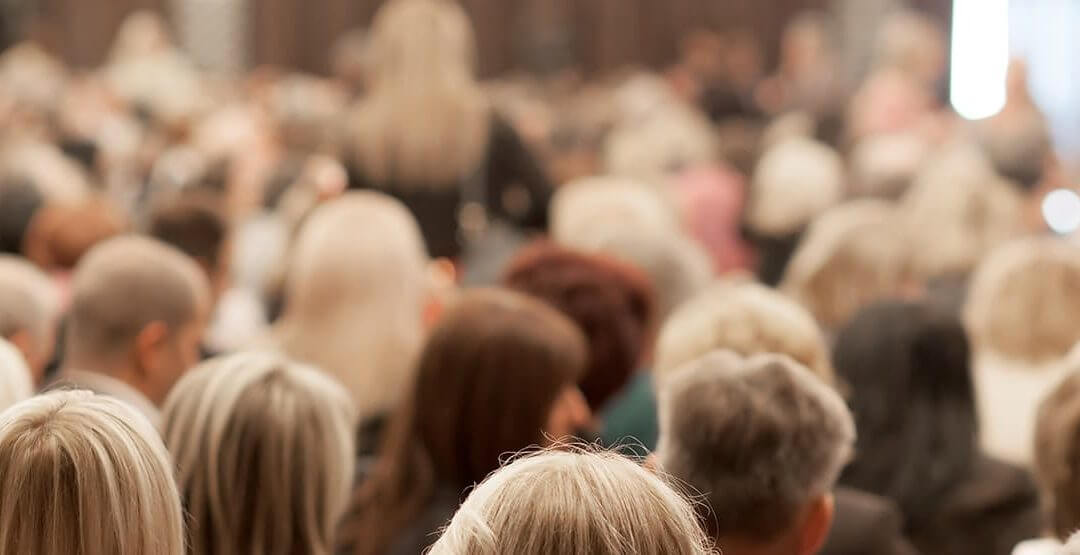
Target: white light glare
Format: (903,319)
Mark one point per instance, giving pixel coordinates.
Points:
(980,57)
(1061,210)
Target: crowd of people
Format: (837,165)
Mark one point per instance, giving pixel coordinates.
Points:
(399,310)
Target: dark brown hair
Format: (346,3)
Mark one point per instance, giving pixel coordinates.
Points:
(612,303)
(485,384)
(193,223)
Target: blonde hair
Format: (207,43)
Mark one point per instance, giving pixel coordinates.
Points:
(16,382)
(586,208)
(851,256)
(794,181)
(85,475)
(746,318)
(426,121)
(265,453)
(355,296)
(573,503)
(668,138)
(1024,300)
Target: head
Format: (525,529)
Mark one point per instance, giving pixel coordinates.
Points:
(613,303)
(16,382)
(745,318)
(498,374)
(583,211)
(573,503)
(763,441)
(915,44)
(884,166)
(242,428)
(909,370)
(355,297)
(1024,301)
(195,224)
(138,311)
(849,257)
(1019,145)
(1057,468)
(663,141)
(795,180)
(425,119)
(93,478)
(29,311)
(62,233)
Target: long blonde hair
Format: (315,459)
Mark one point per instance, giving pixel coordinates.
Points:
(265,453)
(574,503)
(85,474)
(426,121)
(355,297)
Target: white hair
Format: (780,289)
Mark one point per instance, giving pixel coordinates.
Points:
(16,382)
(29,301)
(885,165)
(794,181)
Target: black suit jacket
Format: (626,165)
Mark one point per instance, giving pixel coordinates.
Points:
(866,524)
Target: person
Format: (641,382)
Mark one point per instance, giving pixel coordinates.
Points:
(265,453)
(574,503)
(909,369)
(137,314)
(611,302)
(93,479)
(764,441)
(498,374)
(426,133)
(195,224)
(849,256)
(20,201)
(29,312)
(356,296)
(794,181)
(16,382)
(1021,312)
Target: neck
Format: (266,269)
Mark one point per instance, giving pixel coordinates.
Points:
(742,546)
(115,368)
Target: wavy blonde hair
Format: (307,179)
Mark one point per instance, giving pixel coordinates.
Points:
(574,503)
(85,475)
(425,121)
(265,453)
(1024,300)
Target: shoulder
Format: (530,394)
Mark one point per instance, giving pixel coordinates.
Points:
(865,523)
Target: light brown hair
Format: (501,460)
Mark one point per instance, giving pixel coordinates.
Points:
(1057,456)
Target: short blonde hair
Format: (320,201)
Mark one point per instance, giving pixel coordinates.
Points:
(746,318)
(265,453)
(16,382)
(588,208)
(851,256)
(1024,300)
(573,503)
(794,181)
(85,475)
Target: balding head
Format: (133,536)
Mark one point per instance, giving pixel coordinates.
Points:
(132,299)
(29,304)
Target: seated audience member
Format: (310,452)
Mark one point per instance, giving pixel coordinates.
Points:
(60,234)
(849,257)
(16,382)
(712,200)
(195,224)
(908,367)
(29,310)
(499,374)
(265,453)
(355,301)
(611,302)
(764,441)
(570,503)
(20,202)
(1023,311)
(795,181)
(137,315)
(1057,470)
(884,166)
(92,477)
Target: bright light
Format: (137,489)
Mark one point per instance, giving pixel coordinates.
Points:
(980,57)
(1061,210)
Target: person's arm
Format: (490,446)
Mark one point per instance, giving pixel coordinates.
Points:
(519,189)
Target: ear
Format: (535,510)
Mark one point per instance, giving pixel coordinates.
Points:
(816,526)
(150,346)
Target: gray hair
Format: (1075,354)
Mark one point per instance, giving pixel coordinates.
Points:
(759,437)
(28,299)
(794,181)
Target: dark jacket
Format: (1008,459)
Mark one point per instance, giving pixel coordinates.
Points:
(866,524)
(424,530)
(508,167)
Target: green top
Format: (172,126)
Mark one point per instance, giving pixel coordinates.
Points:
(630,422)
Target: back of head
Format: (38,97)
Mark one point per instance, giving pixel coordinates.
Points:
(16,383)
(760,437)
(29,304)
(93,479)
(355,296)
(1018,143)
(1057,466)
(914,44)
(746,318)
(666,139)
(125,284)
(909,370)
(884,166)
(61,233)
(610,301)
(573,503)
(265,453)
(794,181)
(850,256)
(1024,301)
(586,210)
(195,224)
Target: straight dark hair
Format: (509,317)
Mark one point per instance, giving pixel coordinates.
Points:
(909,369)
(485,385)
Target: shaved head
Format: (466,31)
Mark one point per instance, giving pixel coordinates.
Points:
(123,285)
